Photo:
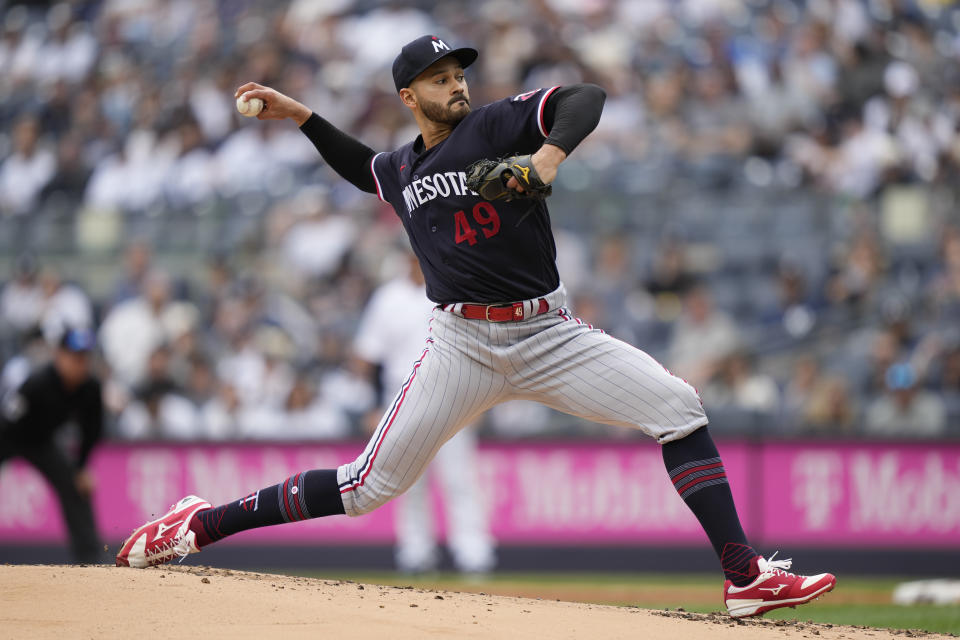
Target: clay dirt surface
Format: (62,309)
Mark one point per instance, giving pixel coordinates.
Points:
(198,602)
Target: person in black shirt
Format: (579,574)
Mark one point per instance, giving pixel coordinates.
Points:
(63,391)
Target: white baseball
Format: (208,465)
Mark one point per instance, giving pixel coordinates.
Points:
(249,108)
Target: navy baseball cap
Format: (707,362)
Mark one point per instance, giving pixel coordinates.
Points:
(78,340)
(416,56)
(901,376)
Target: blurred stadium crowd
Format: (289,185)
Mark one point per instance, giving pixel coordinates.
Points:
(769,204)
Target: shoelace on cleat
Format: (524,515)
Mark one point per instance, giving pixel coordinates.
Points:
(776,567)
(164,551)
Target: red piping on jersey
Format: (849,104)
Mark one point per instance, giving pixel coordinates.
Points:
(403,395)
(540,109)
(375,181)
(578,320)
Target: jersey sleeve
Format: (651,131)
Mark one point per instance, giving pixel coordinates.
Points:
(376,179)
(386,175)
(517,124)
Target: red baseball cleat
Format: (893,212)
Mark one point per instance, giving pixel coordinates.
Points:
(165,538)
(773,587)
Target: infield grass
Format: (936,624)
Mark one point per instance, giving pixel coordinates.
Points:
(855,601)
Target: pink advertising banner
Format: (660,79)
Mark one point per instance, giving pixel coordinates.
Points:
(547,493)
(890,495)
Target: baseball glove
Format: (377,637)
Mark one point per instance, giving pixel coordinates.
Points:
(489,179)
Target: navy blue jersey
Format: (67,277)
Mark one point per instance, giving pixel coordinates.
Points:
(471,250)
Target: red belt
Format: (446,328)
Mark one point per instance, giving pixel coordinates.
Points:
(499,312)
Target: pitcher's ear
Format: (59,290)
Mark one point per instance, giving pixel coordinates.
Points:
(408,97)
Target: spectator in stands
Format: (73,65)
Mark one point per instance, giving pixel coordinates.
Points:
(201,381)
(132,330)
(234,176)
(252,304)
(858,165)
(670,279)
(277,376)
(137,261)
(948,380)
(796,314)
(858,276)
(132,178)
(64,305)
(831,409)
(69,50)
(214,289)
(717,126)
(304,416)
(945,286)
(884,352)
(614,271)
(159,411)
(191,178)
(614,286)
(804,377)
(948,384)
(905,410)
(349,389)
(70,178)
(737,383)
(21,303)
(311,416)
(259,368)
(702,337)
(221,415)
(39,298)
(315,240)
(211,104)
(25,173)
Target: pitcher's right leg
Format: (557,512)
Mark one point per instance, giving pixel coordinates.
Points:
(444,392)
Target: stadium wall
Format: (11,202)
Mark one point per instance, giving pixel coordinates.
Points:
(565,504)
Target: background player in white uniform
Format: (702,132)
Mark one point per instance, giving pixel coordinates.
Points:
(392,333)
(500,330)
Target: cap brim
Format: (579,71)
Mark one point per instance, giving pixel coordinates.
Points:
(78,343)
(466,56)
(78,349)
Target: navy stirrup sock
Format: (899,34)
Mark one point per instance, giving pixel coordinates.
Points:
(698,476)
(310,494)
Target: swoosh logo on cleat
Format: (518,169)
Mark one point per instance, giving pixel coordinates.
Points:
(163,528)
(774,590)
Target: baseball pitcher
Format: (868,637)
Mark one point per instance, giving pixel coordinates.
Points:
(470,192)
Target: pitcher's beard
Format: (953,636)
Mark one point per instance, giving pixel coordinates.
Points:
(444,114)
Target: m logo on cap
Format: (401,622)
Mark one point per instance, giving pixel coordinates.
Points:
(439,45)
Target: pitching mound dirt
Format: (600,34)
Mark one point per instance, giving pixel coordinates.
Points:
(174,602)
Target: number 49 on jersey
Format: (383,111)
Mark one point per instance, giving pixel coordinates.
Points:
(484,215)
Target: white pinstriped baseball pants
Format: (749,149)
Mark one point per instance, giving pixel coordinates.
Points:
(468,366)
